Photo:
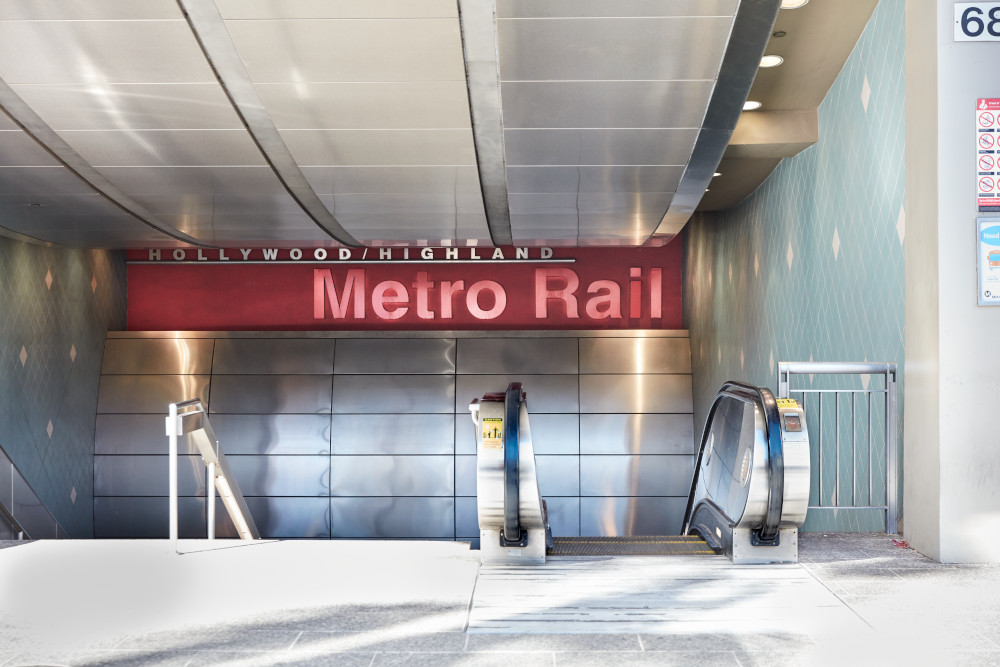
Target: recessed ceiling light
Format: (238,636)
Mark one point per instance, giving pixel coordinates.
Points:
(771,61)
(793,4)
(716,174)
(751,105)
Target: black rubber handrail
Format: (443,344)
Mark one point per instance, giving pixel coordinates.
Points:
(763,398)
(511,535)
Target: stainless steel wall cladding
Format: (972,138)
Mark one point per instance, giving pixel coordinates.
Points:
(395,356)
(152,356)
(393,517)
(390,394)
(631,516)
(635,393)
(637,434)
(131,394)
(273,357)
(479,356)
(635,355)
(400,434)
(268,394)
(341,436)
(278,435)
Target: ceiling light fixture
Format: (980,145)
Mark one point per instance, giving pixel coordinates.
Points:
(793,4)
(751,105)
(716,174)
(771,61)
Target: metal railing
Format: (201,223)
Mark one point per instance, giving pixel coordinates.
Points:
(21,509)
(864,454)
(190,418)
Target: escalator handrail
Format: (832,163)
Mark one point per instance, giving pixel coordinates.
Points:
(763,398)
(511,459)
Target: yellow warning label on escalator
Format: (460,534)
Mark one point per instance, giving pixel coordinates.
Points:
(492,433)
(787,403)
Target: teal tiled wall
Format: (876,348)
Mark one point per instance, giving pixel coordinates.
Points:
(810,266)
(56,306)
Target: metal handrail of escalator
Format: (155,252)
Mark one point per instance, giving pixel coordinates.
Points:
(764,399)
(512,535)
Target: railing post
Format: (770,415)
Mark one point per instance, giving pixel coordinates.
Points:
(172,433)
(210,498)
(891,463)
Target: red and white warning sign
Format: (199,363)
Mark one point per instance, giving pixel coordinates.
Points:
(988,154)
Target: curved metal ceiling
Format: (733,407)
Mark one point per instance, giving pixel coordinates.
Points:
(422,122)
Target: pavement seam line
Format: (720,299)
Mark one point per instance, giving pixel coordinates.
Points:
(840,599)
(468,609)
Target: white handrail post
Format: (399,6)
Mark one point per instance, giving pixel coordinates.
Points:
(172,463)
(210,499)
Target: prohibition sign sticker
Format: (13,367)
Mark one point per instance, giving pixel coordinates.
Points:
(985,184)
(985,119)
(986,141)
(985,162)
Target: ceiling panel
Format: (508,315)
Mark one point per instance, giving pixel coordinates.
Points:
(159,148)
(399,180)
(362,50)
(599,146)
(618,8)
(18,149)
(585,49)
(131,106)
(169,181)
(381,147)
(335,9)
(571,104)
(30,181)
(100,52)
(593,178)
(367,105)
(87,10)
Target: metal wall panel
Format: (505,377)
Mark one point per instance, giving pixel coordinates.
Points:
(273,356)
(157,356)
(135,434)
(273,434)
(131,517)
(465,475)
(631,516)
(269,394)
(393,517)
(635,355)
(394,434)
(395,356)
(564,516)
(546,393)
(466,518)
(148,393)
(278,518)
(538,356)
(635,475)
(387,394)
(637,434)
(635,393)
(393,476)
(147,476)
(558,475)
(282,475)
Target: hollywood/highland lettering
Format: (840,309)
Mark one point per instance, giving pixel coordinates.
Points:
(558,293)
(471,254)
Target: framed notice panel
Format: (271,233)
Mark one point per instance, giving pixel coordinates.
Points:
(988,260)
(988,154)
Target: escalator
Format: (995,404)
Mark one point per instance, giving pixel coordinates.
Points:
(748,498)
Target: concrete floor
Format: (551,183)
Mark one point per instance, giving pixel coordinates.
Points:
(854,598)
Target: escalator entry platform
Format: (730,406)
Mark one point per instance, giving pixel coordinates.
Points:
(749,493)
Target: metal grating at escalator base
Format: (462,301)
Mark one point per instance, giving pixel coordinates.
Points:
(652,545)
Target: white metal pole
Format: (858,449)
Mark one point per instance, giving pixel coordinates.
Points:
(172,463)
(210,499)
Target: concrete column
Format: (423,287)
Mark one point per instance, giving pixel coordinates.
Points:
(951,498)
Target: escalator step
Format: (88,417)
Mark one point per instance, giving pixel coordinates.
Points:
(646,545)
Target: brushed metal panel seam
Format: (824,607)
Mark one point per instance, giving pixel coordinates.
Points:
(33,126)
(215,42)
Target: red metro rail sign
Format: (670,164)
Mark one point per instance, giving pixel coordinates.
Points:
(377,289)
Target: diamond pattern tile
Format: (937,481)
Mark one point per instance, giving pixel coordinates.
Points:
(53,324)
(824,236)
